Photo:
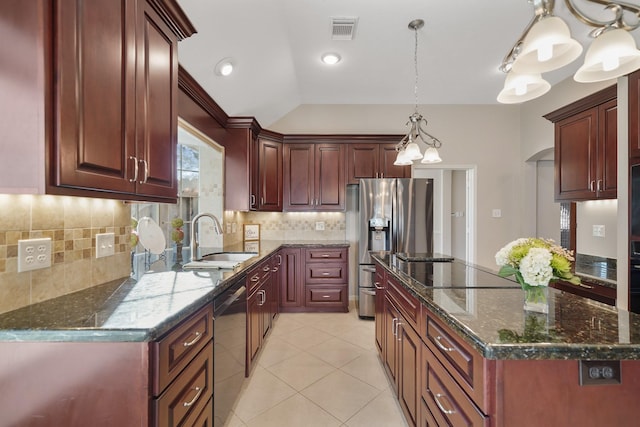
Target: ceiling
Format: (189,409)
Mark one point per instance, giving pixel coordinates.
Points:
(276,47)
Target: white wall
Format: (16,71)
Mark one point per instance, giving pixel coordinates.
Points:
(597,212)
(487,137)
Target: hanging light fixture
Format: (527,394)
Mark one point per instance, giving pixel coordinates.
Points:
(546,45)
(408,149)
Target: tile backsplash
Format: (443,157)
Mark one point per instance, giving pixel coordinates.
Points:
(71,223)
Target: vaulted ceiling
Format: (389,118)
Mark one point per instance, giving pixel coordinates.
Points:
(276,47)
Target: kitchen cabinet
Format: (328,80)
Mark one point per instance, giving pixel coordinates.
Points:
(253,167)
(586,148)
(314,177)
(379,284)
(102,97)
(259,308)
(291,279)
(315,279)
(115,114)
(373,161)
(634,115)
(401,351)
(268,196)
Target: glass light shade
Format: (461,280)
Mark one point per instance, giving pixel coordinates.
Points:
(522,87)
(431,155)
(402,159)
(612,54)
(412,151)
(547,47)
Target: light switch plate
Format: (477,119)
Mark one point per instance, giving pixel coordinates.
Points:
(496,213)
(598,231)
(105,244)
(34,254)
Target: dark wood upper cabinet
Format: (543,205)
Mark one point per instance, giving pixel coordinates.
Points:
(115,98)
(634,115)
(269,194)
(586,148)
(314,177)
(373,160)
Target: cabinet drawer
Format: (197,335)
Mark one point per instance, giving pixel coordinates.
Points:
(174,351)
(326,273)
(447,403)
(404,301)
(326,296)
(326,254)
(186,397)
(257,276)
(464,363)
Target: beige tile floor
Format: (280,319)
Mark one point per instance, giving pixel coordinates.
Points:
(318,369)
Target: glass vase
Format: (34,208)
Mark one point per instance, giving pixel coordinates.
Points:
(536,299)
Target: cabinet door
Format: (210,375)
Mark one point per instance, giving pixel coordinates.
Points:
(362,162)
(379,308)
(269,176)
(409,345)
(634,114)
(389,356)
(94,102)
(276,279)
(299,184)
(607,157)
(575,148)
(254,327)
(291,282)
(329,177)
(156,106)
(388,155)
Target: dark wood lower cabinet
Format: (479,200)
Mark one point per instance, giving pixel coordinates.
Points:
(409,349)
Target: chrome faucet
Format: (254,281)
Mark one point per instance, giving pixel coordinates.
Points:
(194,234)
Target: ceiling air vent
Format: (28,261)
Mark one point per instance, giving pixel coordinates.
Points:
(343,28)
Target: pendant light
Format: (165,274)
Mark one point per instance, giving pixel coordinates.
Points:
(612,54)
(408,149)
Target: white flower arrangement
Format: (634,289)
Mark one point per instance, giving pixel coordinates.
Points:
(535,262)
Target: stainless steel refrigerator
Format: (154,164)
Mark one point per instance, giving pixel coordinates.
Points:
(395,215)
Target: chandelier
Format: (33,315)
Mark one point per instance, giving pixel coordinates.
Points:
(546,45)
(408,149)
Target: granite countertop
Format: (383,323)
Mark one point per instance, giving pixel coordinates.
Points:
(133,310)
(487,312)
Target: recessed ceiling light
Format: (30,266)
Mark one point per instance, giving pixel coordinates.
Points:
(331,58)
(224,67)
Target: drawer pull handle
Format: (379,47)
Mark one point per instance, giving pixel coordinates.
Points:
(275,269)
(325,273)
(195,398)
(326,296)
(255,278)
(442,347)
(582,285)
(437,399)
(195,340)
(325,255)
(377,286)
(265,269)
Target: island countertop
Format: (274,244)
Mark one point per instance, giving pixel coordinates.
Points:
(487,312)
(129,310)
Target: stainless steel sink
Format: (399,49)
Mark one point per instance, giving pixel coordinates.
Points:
(220,260)
(229,256)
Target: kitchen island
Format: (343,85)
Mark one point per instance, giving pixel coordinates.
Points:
(461,350)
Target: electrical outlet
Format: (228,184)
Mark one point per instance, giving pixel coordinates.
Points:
(496,213)
(105,244)
(598,231)
(234,227)
(34,254)
(320,225)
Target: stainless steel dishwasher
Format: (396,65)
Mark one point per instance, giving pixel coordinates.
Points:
(229,348)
